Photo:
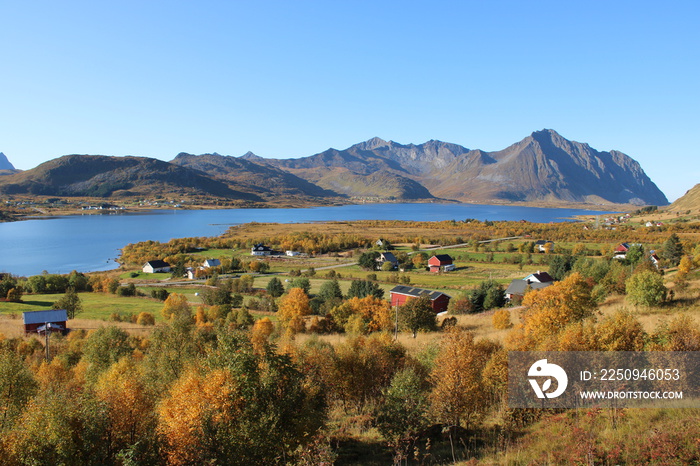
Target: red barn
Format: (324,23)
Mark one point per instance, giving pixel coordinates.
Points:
(440,262)
(400,294)
(35,319)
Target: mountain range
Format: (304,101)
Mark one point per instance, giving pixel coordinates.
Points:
(543,167)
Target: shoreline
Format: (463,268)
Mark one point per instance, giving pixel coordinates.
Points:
(42,208)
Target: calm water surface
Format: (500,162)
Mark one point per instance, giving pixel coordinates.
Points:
(92,242)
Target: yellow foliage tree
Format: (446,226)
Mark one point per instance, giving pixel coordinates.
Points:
(501,319)
(620,332)
(198,406)
(176,305)
(261,331)
(129,410)
(460,392)
(293,307)
(551,309)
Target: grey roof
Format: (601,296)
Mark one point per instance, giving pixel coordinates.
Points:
(388,257)
(417,292)
(442,257)
(41,317)
(518,287)
(212,263)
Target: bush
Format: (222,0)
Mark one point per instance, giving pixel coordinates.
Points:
(129,290)
(501,319)
(145,318)
(646,288)
(161,294)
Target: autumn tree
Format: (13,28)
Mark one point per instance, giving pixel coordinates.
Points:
(59,426)
(170,349)
(646,288)
(620,332)
(550,309)
(681,333)
(460,392)
(293,307)
(176,306)
(417,314)
(196,415)
(130,417)
(17,386)
(501,319)
(684,267)
(254,407)
(363,315)
(14,295)
(104,347)
(262,329)
(364,366)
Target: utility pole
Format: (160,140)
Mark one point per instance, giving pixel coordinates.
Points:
(47,335)
(396,323)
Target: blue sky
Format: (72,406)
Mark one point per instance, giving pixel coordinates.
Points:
(290,79)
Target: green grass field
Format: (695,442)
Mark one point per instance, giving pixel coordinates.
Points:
(98,306)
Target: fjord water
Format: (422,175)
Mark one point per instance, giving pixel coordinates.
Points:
(92,242)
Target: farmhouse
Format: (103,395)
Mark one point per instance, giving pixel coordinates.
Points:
(211,263)
(35,321)
(654,258)
(539,277)
(156,266)
(260,250)
(400,294)
(387,257)
(534,281)
(441,263)
(621,251)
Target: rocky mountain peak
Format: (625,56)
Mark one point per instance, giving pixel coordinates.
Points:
(251,156)
(371,144)
(4,163)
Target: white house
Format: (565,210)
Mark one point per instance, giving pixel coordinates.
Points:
(292,253)
(156,266)
(260,250)
(211,263)
(539,277)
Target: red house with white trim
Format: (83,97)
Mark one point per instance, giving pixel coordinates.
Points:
(441,262)
(400,294)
